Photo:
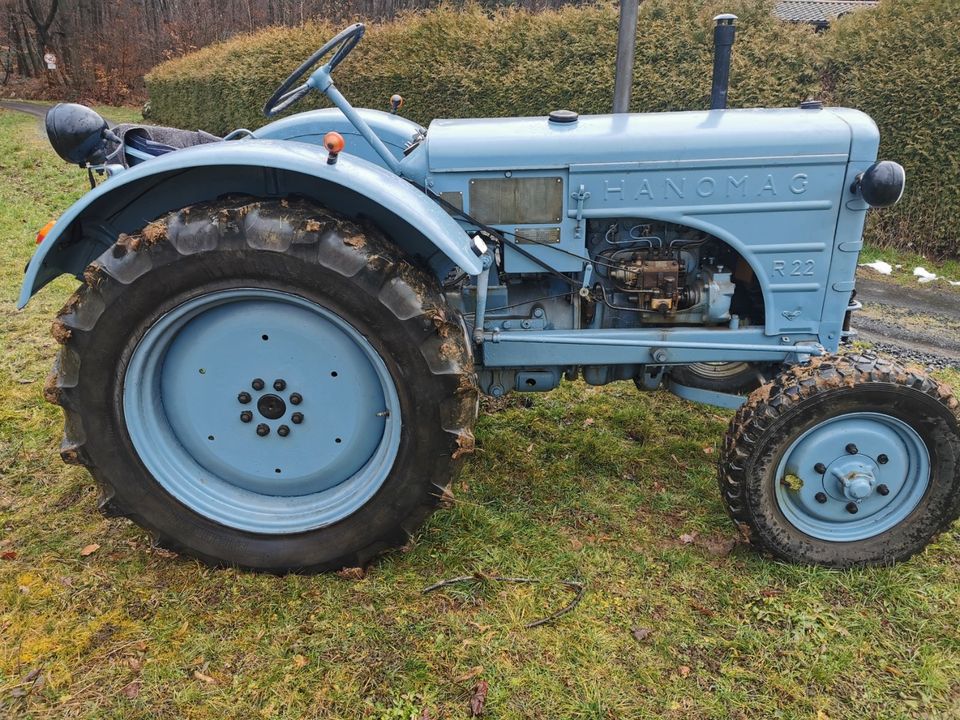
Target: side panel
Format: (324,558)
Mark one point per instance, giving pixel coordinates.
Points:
(262,168)
(780,214)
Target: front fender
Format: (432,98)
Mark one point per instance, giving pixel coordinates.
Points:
(261,168)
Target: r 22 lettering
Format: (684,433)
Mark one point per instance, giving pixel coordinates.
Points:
(793,268)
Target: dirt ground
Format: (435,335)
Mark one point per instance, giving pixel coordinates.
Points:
(919,325)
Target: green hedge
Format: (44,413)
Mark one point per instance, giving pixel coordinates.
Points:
(449,63)
(476,63)
(900,63)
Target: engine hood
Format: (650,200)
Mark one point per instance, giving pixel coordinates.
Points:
(718,135)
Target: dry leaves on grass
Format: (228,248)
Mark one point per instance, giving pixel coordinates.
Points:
(131,689)
(162,552)
(640,634)
(353,573)
(479,698)
(33,680)
(203,677)
(89,549)
(470,674)
(716,548)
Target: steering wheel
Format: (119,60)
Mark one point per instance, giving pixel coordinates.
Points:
(342,43)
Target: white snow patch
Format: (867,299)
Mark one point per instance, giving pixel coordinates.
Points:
(884,268)
(923,275)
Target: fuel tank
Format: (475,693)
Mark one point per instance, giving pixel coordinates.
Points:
(538,143)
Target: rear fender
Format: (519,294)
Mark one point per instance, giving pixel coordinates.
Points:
(396,132)
(261,168)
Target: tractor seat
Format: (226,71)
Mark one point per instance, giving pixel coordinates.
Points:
(81,136)
(142,142)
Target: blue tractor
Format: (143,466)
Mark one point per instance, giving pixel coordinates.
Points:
(275,358)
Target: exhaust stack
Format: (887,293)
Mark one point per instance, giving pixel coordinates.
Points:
(626,44)
(723,37)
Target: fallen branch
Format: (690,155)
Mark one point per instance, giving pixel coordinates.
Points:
(578,588)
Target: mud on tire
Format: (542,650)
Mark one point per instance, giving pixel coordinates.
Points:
(289,247)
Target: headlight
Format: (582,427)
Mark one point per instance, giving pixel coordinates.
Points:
(882,184)
(77,133)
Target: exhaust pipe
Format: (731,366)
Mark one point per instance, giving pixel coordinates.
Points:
(723,37)
(626,45)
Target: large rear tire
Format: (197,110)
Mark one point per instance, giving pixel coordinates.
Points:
(847,461)
(265,385)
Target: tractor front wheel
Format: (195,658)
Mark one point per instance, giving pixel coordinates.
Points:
(847,461)
(265,385)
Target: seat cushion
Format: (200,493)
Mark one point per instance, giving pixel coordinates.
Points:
(141,142)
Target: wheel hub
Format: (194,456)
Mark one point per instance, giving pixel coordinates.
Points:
(855,477)
(262,410)
(272,406)
(852,477)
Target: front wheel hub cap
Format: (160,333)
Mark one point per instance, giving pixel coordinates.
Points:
(856,477)
(180,402)
(858,496)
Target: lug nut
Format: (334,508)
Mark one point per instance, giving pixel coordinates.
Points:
(263,430)
(257,384)
(246,416)
(244,397)
(296,418)
(820,497)
(279,385)
(852,449)
(283,431)
(852,508)
(295,398)
(820,468)
(883,489)
(882,459)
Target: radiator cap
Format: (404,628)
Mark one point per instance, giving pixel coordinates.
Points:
(563,116)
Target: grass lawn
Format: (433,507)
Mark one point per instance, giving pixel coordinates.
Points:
(605,485)
(904,263)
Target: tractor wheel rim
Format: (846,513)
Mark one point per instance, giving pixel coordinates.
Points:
(852,477)
(718,370)
(262,411)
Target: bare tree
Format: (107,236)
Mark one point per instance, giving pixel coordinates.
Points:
(106,46)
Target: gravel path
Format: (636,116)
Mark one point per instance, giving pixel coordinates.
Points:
(916,325)
(38,109)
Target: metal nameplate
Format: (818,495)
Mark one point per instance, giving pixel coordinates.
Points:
(537,236)
(453,198)
(522,201)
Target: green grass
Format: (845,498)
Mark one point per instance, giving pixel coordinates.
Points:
(903,264)
(588,483)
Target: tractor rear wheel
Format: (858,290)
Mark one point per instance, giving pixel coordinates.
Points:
(735,378)
(265,385)
(847,461)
